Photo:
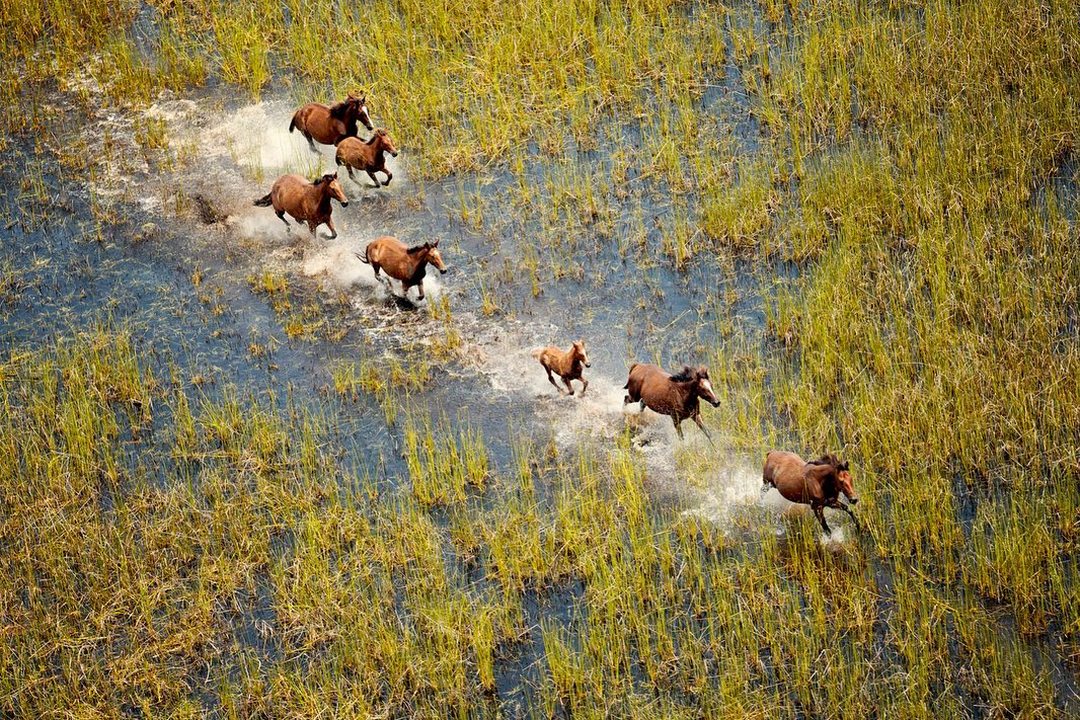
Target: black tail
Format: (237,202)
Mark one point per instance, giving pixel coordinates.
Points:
(363,258)
(264,201)
(292,123)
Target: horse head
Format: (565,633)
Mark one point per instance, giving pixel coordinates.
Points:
(844,482)
(578,352)
(332,187)
(358,108)
(434,256)
(382,141)
(702,386)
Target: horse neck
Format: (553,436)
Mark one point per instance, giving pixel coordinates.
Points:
(825,475)
(323,196)
(419,261)
(687,390)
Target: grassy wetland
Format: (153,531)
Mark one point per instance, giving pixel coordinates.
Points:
(239,479)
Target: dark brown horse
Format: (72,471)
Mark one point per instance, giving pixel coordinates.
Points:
(566,365)
(409,265)
(817,483)
(307,201)
(674,395)
(367,156)
(331,124)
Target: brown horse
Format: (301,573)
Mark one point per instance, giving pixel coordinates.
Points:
(367,156)
(331,124)
(817,483)
(307,201)
(674,395)
(409,265)
(566,365)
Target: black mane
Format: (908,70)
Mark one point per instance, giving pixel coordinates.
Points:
(826,459)
(340,110)
(418,248)
(685,375)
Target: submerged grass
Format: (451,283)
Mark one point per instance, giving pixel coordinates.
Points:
(907,161)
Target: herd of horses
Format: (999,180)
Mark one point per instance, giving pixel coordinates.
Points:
(817,483)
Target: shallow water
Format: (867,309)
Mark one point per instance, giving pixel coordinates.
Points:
(138,270)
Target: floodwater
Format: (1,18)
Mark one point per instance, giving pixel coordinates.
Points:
(173,249)
(183,247)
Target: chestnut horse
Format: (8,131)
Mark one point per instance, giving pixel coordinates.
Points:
(409,265)
(674,395)
(367,156)
(817,483)
(331,124)
(307,201)
(566,365)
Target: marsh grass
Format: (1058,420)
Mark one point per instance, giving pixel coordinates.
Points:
(906,164)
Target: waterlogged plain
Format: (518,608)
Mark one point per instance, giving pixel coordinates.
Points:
(241,478)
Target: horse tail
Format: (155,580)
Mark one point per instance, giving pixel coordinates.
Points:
(363,258)
(265,200)
(537,353)
(627,385)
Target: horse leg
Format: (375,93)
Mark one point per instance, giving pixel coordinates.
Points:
(837,505)
(420,285)
(819,511)
(374,179)
(311,226)
(333,231)
(697,419)
(351,176)
(584,385)
(281,214)
(389,177)
(678,428)
(551,379)
(311,142)
(568,386)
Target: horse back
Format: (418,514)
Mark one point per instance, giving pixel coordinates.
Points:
(782,467)
(391,254)
(351,151)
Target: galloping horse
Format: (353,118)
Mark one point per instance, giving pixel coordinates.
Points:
(409,265)
(567,365)
(331,124)
(817,483)
(307,201)
(367,156)
(674,395)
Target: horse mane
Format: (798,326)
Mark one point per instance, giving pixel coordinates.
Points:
(826,459)
(685,375)
(417,249)
(340,110)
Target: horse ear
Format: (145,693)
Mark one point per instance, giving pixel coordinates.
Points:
(435,244)
(842,466)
